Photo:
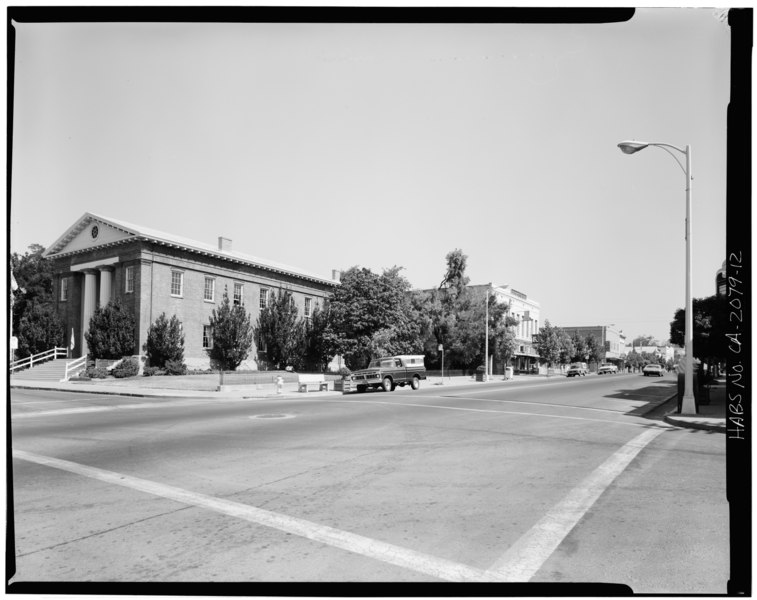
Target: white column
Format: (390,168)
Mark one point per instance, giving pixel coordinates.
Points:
(105,285)
(88,304)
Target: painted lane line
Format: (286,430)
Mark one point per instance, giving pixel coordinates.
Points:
(527,555)
(661,424)
(552,404)
(357,544)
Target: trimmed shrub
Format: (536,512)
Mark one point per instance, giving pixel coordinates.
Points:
(129,367)
(165,341)
(96,373)
(150,371)
(175,367)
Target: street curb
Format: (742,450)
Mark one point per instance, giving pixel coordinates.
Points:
(684,422)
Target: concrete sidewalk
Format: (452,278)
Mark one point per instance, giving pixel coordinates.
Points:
(711,416)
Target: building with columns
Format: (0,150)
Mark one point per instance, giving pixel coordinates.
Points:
(99,259)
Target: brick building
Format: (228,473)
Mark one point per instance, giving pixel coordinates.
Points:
(99,259)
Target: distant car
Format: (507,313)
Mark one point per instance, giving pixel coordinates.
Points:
(607,368)
(578,369)
(653,369)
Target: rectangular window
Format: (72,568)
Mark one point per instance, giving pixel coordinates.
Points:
(129,276)
(177,283)
(263,299)
(238,294)
(207,336)
(64,289)
(308,307)
(210,289)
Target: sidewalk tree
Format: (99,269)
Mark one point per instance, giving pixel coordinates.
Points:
(165,341)
(280,331)
(710,326)
(567,349)
(231,331)
(366,304)
(594,349)
(111,332)
(548,343)
(318,335)
(580,348)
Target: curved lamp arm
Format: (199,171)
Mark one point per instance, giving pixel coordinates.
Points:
(630,147)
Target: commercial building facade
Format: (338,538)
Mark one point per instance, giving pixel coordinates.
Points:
(99,259)
(527,311)
(611,339)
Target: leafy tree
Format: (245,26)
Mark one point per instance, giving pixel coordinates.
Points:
(366,304)
(232,335)
(35,323)
(580,348)
(567,349)
(281,332)
(594,349)
(318,340)
(455,277)
(165,341)
(548,343)
(111,332)
(710,326)
(40,329)
(34,277)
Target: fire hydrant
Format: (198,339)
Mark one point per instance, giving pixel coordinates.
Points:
(279,384)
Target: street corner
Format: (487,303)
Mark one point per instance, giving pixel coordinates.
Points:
(696,422)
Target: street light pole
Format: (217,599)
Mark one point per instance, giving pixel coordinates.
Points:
(486,336)
(688,403)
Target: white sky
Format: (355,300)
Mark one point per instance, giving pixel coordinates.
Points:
(331,145)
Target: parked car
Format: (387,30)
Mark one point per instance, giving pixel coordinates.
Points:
(605,368)
(653,369)
(578,369)
(389,372)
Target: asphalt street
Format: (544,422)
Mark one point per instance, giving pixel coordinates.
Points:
(545,480)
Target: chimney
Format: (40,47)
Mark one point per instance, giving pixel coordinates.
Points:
(224,244)
(336,275)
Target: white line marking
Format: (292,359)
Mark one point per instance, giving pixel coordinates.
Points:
(505,412)
(358,544)
(527,555)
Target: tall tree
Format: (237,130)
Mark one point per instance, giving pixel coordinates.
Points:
(580,348)
(281,332)
(596,353)
(111,332)
(232,335)
(165,341)
(318,335)
(40,329)
(548,343)
(366,304)
(710,316)
(35,322)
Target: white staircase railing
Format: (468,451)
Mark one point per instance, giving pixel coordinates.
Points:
(30,361)
(73,366)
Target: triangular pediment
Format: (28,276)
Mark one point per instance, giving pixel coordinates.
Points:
(88,232)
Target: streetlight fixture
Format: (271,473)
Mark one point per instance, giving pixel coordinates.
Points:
(688,404)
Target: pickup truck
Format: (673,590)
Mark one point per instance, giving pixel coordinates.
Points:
(389,372)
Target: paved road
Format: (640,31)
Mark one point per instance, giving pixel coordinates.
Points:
(543,481)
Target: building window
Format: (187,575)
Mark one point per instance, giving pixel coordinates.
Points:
(263,299)
(177,283)
(207,336)
(238,294)
(129,276)
(308,307)
(210,289)
(64,289)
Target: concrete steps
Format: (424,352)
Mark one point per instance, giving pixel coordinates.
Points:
(52,370)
